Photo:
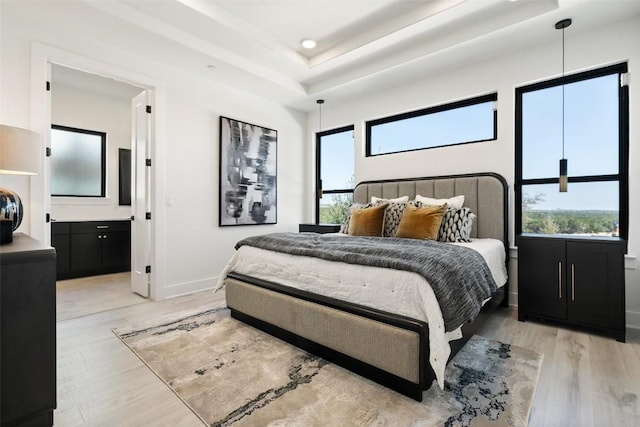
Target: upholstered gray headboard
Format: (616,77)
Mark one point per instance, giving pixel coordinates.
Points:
(484,193)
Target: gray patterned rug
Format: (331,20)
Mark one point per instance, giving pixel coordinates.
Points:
(230,374)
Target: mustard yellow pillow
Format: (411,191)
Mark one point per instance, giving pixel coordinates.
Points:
(367,221)
(421,223)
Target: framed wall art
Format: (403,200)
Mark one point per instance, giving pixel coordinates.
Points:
(248,173)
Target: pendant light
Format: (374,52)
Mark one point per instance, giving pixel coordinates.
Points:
(561,25)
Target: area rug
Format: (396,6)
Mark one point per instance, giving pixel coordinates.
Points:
(231,374)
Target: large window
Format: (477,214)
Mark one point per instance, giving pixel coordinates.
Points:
(595,145)
(77,162)
(334,174)
(462,122)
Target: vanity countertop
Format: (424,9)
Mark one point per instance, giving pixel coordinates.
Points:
(90,219)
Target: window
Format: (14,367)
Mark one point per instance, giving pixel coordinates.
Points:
(77,162)
(471,120)
(335,179)
(596,123)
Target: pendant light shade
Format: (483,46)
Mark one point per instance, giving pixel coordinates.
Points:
(561,25)
(563,175)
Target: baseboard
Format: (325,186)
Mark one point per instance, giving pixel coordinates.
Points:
(185,288)
(633,319)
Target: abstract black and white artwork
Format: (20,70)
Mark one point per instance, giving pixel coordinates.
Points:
(248,161)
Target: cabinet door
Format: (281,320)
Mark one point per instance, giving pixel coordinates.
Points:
(595,279)
(116,251)
(541,284)
(62,243)
(86,252)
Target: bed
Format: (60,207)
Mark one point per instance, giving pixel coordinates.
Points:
(394,347)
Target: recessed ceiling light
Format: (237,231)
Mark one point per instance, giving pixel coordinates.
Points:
(308,43)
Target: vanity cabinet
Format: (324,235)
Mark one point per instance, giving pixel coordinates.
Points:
(91,247)
(577,281)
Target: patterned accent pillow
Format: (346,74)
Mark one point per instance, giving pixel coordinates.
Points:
(344,228)
(456,225)
(392,216)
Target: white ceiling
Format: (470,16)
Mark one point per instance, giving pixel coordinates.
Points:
(363,45)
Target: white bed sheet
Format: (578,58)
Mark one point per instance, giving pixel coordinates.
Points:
(395,291)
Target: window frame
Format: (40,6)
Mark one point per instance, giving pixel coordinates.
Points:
(319,192)
(492,97)
(622,177)
(103,163)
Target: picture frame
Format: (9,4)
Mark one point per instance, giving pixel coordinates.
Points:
(248,174)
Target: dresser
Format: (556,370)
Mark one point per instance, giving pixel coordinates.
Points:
(573,280)
(27,332)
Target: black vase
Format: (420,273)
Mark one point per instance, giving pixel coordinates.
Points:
(11,207)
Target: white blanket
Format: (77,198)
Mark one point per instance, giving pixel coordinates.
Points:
(394,291)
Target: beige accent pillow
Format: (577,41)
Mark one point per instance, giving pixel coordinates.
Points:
(421,223)
(454,202)
(367,221)
(402,199)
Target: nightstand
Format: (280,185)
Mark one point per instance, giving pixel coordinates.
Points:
(319,228)
(573,280)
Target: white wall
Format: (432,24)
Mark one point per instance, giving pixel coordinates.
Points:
(90,110)
(608,45)
(189,248)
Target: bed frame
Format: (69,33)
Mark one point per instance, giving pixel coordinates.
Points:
(387,348)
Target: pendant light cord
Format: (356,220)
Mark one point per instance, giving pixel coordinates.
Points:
(563,84)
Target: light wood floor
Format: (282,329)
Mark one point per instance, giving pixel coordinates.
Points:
(88,295)
(586,380)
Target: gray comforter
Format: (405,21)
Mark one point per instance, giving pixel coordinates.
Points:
(459,276)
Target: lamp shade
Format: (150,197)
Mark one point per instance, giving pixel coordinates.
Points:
(19,155)
(19,151)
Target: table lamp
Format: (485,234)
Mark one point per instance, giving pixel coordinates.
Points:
(19,155)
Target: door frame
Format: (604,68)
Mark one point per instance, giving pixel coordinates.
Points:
(42,56)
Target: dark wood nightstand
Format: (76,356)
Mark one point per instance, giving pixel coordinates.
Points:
(319,228)
(573,280)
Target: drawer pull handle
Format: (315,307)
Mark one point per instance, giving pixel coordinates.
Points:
(102,226)
(573,283)
(560,280)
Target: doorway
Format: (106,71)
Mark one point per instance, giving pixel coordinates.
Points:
(93,103)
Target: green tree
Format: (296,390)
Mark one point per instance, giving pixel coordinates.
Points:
(548,225)
(529,223)
(336,212)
